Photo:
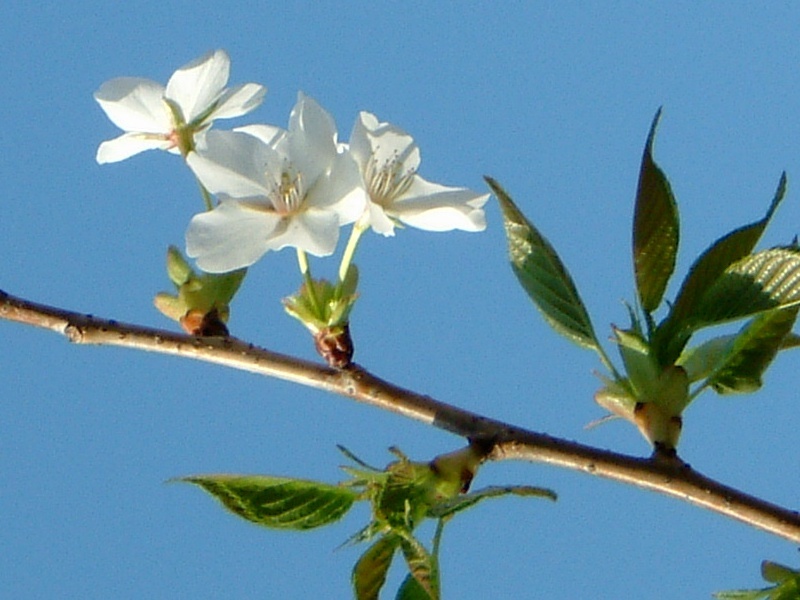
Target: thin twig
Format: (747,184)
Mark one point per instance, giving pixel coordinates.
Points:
(504,441)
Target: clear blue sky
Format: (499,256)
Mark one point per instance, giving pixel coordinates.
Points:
(553,101)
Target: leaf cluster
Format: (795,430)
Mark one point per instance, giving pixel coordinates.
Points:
(730,281)
(400,496)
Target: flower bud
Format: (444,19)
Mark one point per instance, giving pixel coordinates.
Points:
(201,302)
(335,345)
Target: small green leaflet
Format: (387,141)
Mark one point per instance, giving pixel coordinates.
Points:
(370,571)
(411,590)
(743,595)
(543,276)
(656,229)
(735,364)
(786,580)
(369,574)
(792,340)
(778,573)
(465,501)
(278,502)
(421,566)
(701,362)
(752,351)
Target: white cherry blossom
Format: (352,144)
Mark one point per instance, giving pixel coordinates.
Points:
(170,118)
(388,159)
(277,188)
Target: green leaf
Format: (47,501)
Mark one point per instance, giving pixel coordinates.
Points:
(411,590)
(170,306)
(708,267)
(420,565)
(701,362)
(752,351)
(655,229)
(618,398)
(278,502)
(543,276)
(743,595)
(787,585)
(178,269)
(720,255)
(465,501)
(322,305)
(776,572)
(643,372)
(227,284)
(370,571)
(789,590)
(792,340)
(767,280)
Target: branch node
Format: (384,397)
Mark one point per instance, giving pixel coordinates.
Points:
(483,444)
(73,333)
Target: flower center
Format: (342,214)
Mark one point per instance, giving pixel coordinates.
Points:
(388,181)
(287,197)
(182,134)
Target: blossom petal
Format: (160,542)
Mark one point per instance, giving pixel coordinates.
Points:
(340,190)
(382,143)
(232,164)
(135,104)
(239,101)
(315,231)
(197,85)
(379,220)
(359,144)
(269,134)
(312,138)
(435,207)
(229,237)
(129,144)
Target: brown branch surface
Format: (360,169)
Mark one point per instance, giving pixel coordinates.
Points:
(504,441)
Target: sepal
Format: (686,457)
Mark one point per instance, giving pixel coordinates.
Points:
(324,309)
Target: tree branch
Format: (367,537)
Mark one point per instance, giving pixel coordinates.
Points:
(503,441)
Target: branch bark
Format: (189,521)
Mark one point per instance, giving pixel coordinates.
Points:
(502,440)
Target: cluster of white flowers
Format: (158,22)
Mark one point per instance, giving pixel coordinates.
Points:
(278,187)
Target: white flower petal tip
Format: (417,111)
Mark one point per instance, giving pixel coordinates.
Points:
(460,209)
(196,86)
(177,114)
(134,104)
(240,100)
(127,145)
(230,237)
